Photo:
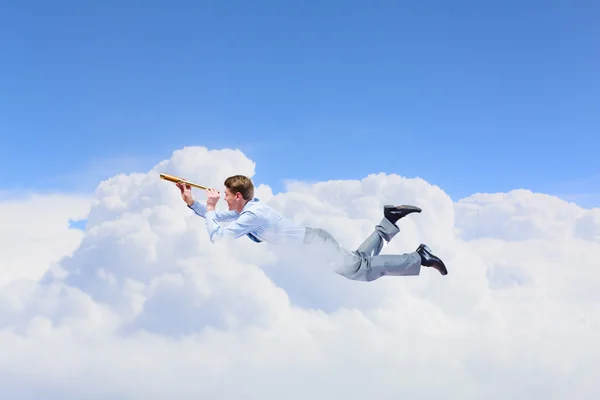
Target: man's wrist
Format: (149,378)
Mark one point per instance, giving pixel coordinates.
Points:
(210,208)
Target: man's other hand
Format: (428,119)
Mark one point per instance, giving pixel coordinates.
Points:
(213,198)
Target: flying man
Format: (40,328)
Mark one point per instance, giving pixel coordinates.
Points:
(261,223)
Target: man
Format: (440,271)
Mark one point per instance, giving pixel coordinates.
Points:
(249,217)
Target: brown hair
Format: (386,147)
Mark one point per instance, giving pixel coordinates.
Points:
(240,184)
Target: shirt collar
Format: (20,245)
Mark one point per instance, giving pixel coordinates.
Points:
(253,200)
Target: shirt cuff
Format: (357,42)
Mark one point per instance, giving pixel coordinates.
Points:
(196,207)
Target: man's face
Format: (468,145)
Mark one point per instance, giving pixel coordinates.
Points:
(231,199)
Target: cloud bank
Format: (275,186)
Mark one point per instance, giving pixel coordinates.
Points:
(142,305)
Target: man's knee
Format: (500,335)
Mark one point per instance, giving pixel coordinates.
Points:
(361,270)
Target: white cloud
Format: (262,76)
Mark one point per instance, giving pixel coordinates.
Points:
(146,307)
(35,231)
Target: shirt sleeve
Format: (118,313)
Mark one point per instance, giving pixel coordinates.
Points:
(220,215)
(245,223)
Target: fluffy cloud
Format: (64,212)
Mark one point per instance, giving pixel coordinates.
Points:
(35,231)
(144,306)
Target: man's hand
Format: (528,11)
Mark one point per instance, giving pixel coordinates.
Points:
(213,198)
(186,193)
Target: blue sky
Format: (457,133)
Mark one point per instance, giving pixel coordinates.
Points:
(472,96)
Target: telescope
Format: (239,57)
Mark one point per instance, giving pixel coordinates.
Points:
(176,179)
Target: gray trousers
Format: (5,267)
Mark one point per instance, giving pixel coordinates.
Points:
(365,263)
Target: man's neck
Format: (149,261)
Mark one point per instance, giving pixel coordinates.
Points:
(243,205)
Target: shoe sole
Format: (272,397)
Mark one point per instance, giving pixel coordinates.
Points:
(402,208)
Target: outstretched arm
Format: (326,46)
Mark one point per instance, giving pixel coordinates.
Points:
(245,223)
(220,215)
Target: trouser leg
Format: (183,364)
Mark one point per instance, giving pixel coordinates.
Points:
(343,261)
(408,264)
(375,265)
(372,246)
(366,264)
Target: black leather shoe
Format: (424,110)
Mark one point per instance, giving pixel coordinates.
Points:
(429,260)
(394,213)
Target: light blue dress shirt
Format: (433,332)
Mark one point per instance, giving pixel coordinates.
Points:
(257,220)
